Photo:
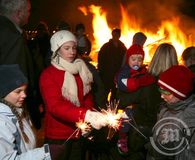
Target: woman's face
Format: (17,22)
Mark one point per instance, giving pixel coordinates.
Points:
(68,51)
(17,96)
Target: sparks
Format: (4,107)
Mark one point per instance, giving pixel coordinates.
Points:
(113,118)
(82,125)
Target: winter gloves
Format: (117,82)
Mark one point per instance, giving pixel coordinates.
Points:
(134,84)
(96,119)
(130,80)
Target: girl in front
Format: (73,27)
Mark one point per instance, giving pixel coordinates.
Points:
(17,140)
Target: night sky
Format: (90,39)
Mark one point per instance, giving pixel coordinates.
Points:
(149,12)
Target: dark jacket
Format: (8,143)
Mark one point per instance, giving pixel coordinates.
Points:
(110,60)
(192,68)
(13,49)
(145,103)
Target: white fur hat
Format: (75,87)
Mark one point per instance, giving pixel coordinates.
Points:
(61,37)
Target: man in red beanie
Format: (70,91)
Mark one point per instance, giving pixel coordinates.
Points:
(131,77)
(173,134)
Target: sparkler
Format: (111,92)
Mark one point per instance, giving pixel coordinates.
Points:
(113,118)
(111,115)
(81,126)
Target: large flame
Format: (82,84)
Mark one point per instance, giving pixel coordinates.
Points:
(168,31)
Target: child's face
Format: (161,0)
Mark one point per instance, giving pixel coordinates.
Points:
(135,60)
(17,96)
(168,96)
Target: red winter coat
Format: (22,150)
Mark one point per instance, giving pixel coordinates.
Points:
(61,114)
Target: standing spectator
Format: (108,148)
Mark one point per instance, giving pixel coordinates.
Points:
(131,78)
(84,44)
(177,114)
(188,57)
(110,60)
(14,50)
(145,102)
(17,140)
(65,87)
(63,25)
(41,53)
(42,56)
(139,38)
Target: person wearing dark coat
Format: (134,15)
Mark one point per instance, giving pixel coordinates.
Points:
(131,77)
(188,57)
(13,47)
(145,102)
(110,59)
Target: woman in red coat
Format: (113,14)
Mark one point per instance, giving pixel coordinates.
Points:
(65,87)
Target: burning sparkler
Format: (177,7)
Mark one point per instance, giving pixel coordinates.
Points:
(113,118)
(111,115)
(83,127)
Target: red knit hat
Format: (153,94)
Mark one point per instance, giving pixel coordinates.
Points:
(134,49)
(178,80)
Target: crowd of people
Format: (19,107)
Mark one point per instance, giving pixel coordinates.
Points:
(49,82)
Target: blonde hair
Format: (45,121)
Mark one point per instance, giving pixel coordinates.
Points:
(164,57)
(18,116)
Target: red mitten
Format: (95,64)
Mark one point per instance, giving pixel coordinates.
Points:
(134,84)
(145,80)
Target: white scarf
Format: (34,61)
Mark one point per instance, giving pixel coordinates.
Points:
(69,87)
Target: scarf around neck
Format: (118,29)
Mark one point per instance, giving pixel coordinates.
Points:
(69,87)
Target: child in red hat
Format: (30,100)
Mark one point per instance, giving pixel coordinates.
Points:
(173,134)
(131,77)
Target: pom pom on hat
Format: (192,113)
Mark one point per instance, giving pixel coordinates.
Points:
(11,78)
(61,37)
(178,80)
(134,49)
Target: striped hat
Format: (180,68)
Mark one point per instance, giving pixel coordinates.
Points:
(178,80)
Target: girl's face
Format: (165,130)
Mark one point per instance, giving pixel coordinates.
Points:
(68,51)
(17,96)
(168,96)
(135,60)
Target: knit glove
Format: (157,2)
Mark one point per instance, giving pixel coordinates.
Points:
(133,84)
(96,119)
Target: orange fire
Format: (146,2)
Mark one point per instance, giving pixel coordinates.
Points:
(168,31)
